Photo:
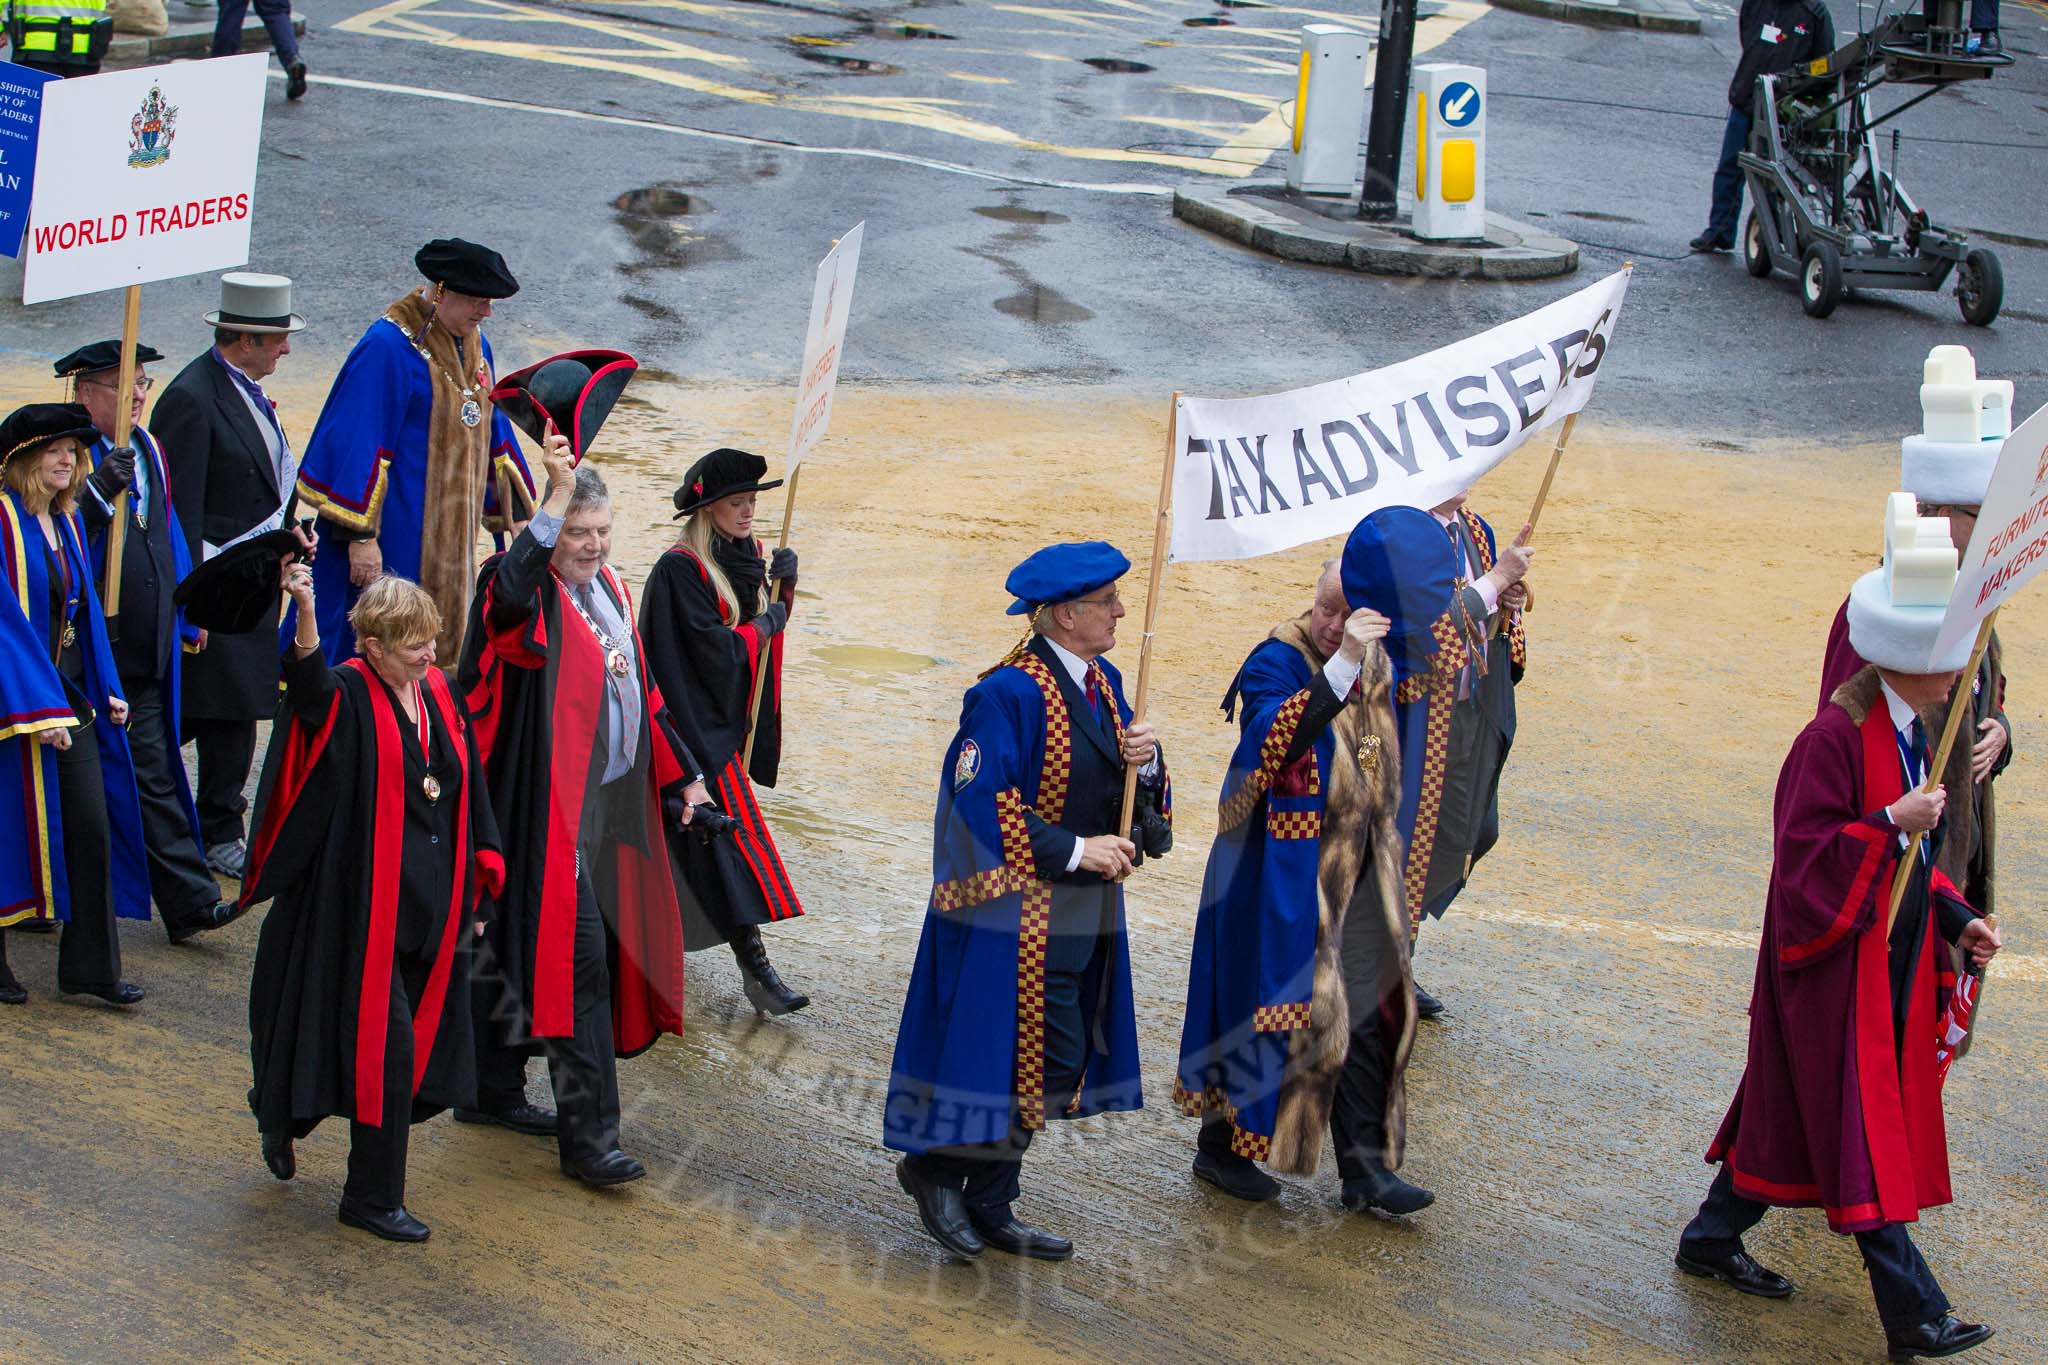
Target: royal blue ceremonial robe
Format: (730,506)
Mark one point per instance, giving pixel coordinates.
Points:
(366,468)
(33,881)
(973,1016)
(173,683)
(1251,979)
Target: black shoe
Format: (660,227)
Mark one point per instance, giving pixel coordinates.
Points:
(393,1225)
(205,921)
(1991,48)
(34,926)
(1942,1337)
(613,1168)
(1021,1239)
(520,1118)
(1737,1268)
(942,1211)
(765,989)
(277,1155)
(1386,1192)
(1238,1177)
(295,89)
(1427,1006)
(12,992)
(120,993)
(1707,243)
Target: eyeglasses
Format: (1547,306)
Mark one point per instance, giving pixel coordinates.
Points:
(143,383)
(1112,601)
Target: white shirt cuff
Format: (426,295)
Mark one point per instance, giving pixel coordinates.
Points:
(546,526)
(1342,675)
(1489,595)
(1074,858)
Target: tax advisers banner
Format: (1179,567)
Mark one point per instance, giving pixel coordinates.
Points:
(144,175)
(1255,475)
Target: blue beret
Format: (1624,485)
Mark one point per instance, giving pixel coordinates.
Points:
(1060,573)
(1400,562)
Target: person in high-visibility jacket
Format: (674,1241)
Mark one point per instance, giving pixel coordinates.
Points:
(62,37)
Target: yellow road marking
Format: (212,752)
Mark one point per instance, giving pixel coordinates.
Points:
(978,78)
(1087,21)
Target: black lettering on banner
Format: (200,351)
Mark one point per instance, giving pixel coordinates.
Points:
(1257,456)
(1307,471)
(1518,392)
(1596,348)
(1198,446)
(1405,456)
(1479,411)
(1372,473)
(1221,450)
(1562,348)
(1436,424)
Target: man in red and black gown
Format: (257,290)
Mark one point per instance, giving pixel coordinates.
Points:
(1840,1105)
(583,959)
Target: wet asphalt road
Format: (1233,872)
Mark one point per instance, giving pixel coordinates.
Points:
(695,251)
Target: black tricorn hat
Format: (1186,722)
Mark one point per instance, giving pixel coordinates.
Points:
(103,355)
(238,589)
(721,474)
(466,268)
(575,390)
(38,424)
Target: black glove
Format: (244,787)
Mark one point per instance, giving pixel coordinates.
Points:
(1151,830)
(771,621)
(116,473)
(782,565)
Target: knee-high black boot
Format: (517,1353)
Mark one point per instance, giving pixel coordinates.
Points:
(766,991)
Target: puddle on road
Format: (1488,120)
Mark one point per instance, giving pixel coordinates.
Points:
(1014,213)
(1210,21)
(870,661)
(907,31)
(650,219)
(809,50)
(655,201)
(1595,216)
(1116,65)
(1042,303)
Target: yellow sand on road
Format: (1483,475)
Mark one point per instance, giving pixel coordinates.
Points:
(1596,971)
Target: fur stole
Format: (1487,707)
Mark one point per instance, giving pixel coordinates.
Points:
(1361,837)
(458,465)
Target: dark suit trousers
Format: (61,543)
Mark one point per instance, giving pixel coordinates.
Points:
(376,1154)
(1900,1281)
(583,1068)
(1358,1114)
(227,750)
(178,880)
(89,954)
(989,1173)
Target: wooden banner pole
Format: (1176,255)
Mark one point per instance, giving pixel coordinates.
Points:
(124,397)
(1958,704)
(761,673)
(1162,533)
(1564,436)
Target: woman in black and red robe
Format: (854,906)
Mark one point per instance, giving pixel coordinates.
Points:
(710,630)
(375,835)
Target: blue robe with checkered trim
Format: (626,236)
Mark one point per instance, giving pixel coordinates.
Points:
(953,1078)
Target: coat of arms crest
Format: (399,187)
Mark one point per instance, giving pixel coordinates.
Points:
(150,131)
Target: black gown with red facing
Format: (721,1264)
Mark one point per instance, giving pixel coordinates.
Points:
(533,675)
(705,666)
(376,852)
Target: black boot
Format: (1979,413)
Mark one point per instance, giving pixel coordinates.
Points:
(11,991)
(765,990)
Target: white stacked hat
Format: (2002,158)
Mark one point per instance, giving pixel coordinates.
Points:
(1895,612)
(1964,421)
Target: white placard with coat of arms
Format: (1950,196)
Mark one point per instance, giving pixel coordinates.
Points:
(144,175)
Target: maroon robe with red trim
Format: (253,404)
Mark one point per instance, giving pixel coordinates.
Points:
(1840,1105)
(533,676)
(371,881)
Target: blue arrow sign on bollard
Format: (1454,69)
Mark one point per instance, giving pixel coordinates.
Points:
(1459,104)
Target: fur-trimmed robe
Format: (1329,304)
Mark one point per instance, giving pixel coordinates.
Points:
(1312,799)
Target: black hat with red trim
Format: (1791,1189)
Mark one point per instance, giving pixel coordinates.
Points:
(575,391)
(721,474)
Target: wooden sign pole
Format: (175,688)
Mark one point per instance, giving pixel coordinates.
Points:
(761,672)
(124,398)
(1162,532)
(1958,704)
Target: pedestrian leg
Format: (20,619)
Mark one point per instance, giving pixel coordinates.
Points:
(179,882)
(89,953)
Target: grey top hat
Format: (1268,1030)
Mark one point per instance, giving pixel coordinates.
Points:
(255,303)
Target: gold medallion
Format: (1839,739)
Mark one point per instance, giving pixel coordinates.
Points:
(1369,755)
(615,660)
(431,785)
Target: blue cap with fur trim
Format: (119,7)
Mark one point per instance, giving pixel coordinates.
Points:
(1061,573)
(1400,562)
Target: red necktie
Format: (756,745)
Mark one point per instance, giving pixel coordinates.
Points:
(1093,693)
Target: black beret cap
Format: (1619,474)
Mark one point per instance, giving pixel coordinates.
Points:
(466,268)
(238,589)
(104,355)
(37,424)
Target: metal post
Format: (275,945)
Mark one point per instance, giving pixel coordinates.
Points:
(1381,195)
